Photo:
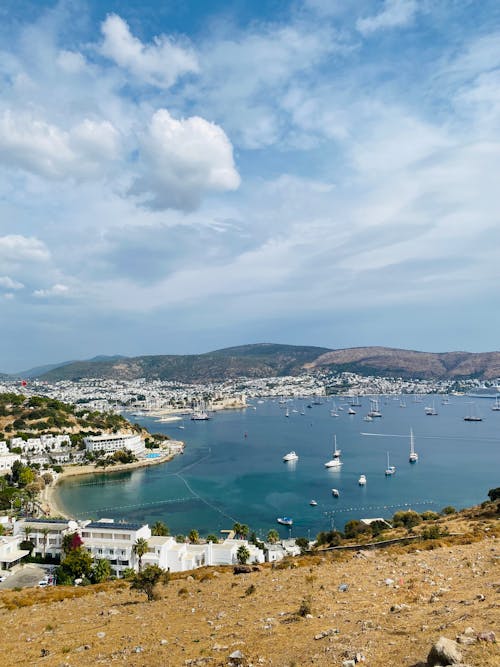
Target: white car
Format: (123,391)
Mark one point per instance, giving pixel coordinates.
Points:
(43,582)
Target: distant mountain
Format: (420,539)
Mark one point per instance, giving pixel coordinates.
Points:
(271,360)
(38,371)
(260,360)
(410,363)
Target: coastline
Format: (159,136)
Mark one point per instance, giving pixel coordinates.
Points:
(49,503)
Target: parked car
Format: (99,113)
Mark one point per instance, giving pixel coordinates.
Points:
(43,582)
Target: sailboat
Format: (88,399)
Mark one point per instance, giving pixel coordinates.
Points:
(287,413)
(413,454)
(473,416)
(335,462)
(430,411)
(374,408)
(496,404)
(390,470)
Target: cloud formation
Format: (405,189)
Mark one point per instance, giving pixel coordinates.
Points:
(160,63)
(182,160)
(395,14)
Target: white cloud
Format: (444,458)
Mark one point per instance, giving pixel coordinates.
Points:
(9,283)
(160,63)
(47,150)
(56,290)
(17,249)
(395,14)
(182,160)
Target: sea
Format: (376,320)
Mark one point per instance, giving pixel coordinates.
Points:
(233,470)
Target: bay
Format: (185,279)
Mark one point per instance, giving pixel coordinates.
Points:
(232,469)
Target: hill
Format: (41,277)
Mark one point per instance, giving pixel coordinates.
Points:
(411,363)
(396,604)
(273,360)
(261,360)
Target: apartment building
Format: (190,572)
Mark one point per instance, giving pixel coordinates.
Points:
(113,442)
(114,542)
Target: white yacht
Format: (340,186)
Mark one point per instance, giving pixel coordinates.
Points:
(390,470)
(413,454)
(496,404)
(291,456)
(351,411)
(313,503)
(362,480)
(473,415)
(430,410)
(374,408)
(335,461)
(335,493)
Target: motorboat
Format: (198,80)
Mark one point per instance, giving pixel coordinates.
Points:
(284,520)
(368,418)
(313,503)
(362,480)
(291,456)
(351,411)
(335,493)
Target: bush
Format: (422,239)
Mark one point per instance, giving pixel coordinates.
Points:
(251,589)
(147,580)
(429,516)
(448,510)
(305,607)
(494,494)
(408,519)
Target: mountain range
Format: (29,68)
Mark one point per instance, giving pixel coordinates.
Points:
(273,360)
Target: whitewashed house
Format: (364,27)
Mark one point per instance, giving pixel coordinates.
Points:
(113,442)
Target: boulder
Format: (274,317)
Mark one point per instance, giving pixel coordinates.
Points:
(444,652)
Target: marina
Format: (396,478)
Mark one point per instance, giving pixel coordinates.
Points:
(233,470)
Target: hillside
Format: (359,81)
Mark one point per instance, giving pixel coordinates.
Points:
(262,360)
(410,363)
(20,415)
(398,602)
(272,360)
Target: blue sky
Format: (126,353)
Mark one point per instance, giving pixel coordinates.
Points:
(178,177)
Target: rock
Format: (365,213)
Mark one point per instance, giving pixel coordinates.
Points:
(348,663)
(101,635)
(138,649)
(44,652)
(389,582)
(163,642)
(469,632)
(343,588)
(397,608)
(242,569)
(359,658)
(480,597)
(466,640)
(236,658)
(327,633)
(444,652)
(487,636)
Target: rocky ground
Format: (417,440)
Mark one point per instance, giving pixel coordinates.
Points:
(376,607)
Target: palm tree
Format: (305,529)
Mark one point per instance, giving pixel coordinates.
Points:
(273,536)
(160,529)
(140,548)
(243,554)
(45,534)
(194,536)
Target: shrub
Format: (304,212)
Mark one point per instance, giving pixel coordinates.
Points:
(147,580)
(494,494)
(408,519)
(251,589)
(305,607)
(448,510)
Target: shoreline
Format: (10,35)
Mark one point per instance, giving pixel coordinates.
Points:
(50,505)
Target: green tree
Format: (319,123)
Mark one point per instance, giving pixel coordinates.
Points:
(140,548)
(147,580)
(303,543)
(242,555)
(160,529)
(273,536)
(212,538)
(494,494)
(78,564)
(241,530)
(70,542)
(194,536)
(101,571)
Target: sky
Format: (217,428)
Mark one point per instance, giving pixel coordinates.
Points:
(179,176)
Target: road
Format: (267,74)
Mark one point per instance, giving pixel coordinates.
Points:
(28,576)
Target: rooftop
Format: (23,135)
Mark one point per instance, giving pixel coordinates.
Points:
(96,525)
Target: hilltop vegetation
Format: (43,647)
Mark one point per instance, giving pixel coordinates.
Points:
(270,360)
(20,416)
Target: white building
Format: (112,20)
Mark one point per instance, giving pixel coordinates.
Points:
(114,542)
(46,534)
(113,442)
(10,554)
(7,461)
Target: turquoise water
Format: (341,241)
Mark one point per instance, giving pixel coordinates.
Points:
(232,469)
(153,456)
